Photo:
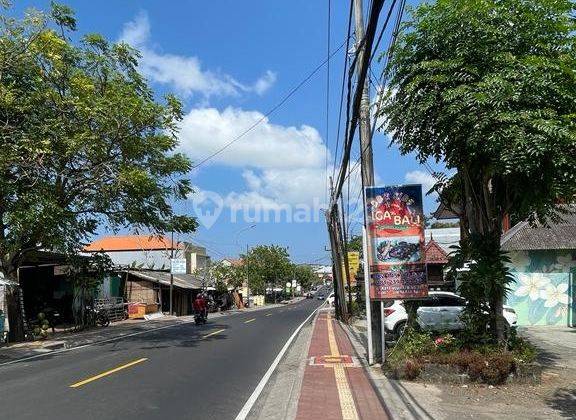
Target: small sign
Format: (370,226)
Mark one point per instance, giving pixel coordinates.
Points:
(178,266)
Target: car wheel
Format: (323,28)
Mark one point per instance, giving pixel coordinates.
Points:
(399,329)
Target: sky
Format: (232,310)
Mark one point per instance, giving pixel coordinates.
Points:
(231,62)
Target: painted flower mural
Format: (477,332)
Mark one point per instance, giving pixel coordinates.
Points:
(555,295)
(541,294)
(531,284)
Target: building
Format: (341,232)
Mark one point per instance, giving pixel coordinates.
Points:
(543,262)
(436,259)
(144,264)
(150,252)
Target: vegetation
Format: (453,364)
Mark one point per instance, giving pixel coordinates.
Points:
(83,142)
(488,87)
(487,363)
(267,266)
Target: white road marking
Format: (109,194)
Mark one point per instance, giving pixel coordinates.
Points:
(258,390)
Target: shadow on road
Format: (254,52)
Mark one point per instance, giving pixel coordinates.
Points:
(564,401)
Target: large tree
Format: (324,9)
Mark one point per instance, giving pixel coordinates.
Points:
(489,88)
(267,265)
(83,141)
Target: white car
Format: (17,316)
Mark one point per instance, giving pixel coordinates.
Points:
(440,312)
(330,299)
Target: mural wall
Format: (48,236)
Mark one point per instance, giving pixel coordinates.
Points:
(544,292)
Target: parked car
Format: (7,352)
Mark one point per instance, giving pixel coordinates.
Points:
(330,299)
(309,295)
(439,312)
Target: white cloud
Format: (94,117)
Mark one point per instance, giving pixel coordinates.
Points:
(281,164)
(184,73)
(266,146)
(421,177)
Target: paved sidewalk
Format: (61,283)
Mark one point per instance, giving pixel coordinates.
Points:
(335,385)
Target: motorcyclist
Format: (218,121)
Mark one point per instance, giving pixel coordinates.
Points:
(200,306)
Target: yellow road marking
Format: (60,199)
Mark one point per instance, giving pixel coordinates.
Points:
(214,333)
(268,314)
(108,372)
(250,320)
(347,405)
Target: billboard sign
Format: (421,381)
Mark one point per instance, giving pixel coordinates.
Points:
(353,266)
(395,230)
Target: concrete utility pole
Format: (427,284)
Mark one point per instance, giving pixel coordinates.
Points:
(367,166)
(373,320)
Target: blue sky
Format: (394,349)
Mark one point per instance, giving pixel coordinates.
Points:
(230,62)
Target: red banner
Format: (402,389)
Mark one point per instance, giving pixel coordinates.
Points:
(395,229)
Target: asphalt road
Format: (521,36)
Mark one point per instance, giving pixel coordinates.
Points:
(182,372)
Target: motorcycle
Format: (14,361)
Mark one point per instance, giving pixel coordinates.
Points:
(200,317)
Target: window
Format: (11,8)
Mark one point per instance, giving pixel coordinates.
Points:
(451,301)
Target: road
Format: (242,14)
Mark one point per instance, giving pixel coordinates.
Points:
(182,372)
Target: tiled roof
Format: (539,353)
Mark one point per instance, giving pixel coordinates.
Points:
(557,235)
(132,243)
(434,253)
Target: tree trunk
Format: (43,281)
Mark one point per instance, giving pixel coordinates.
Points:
(484,221)
(15,318)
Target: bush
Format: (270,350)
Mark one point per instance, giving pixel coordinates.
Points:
(412,369)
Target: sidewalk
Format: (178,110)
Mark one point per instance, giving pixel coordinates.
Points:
(60,341)
(335,385)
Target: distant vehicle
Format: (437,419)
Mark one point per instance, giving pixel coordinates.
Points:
(320,296)
(309,295)
(439,312)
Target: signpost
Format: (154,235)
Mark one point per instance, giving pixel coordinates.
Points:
(177,266)
(394,245)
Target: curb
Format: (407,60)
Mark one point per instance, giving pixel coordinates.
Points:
(397,401)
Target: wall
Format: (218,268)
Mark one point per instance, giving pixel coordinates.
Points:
(544,291)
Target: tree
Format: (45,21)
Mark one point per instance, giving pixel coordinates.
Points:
(83,141)
(305,275)
(489,88)
(267,265)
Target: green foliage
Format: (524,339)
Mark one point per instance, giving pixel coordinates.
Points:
(83,141)
(490,84)
(267,265)
(486,278)
(489,88)
(305,276)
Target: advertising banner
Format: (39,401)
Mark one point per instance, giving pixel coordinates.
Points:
(353,265)
(395,231)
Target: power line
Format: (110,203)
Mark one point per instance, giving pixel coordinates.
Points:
(342,89)
(327,96)
(272,110)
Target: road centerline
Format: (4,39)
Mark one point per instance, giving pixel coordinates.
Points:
(214,333)
(108,372)
(250,320)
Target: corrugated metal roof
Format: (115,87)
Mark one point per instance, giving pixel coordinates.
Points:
(558,235)
(184,281)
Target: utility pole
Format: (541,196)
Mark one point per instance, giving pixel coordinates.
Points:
(367,171)
(247,280)
(171,271)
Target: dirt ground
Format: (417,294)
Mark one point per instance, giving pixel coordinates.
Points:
(553,398)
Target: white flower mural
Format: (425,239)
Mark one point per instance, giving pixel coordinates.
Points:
(531,284)
(519,261)
(555,295)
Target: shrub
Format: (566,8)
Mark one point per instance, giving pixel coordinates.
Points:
(498,368)
(412,369)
